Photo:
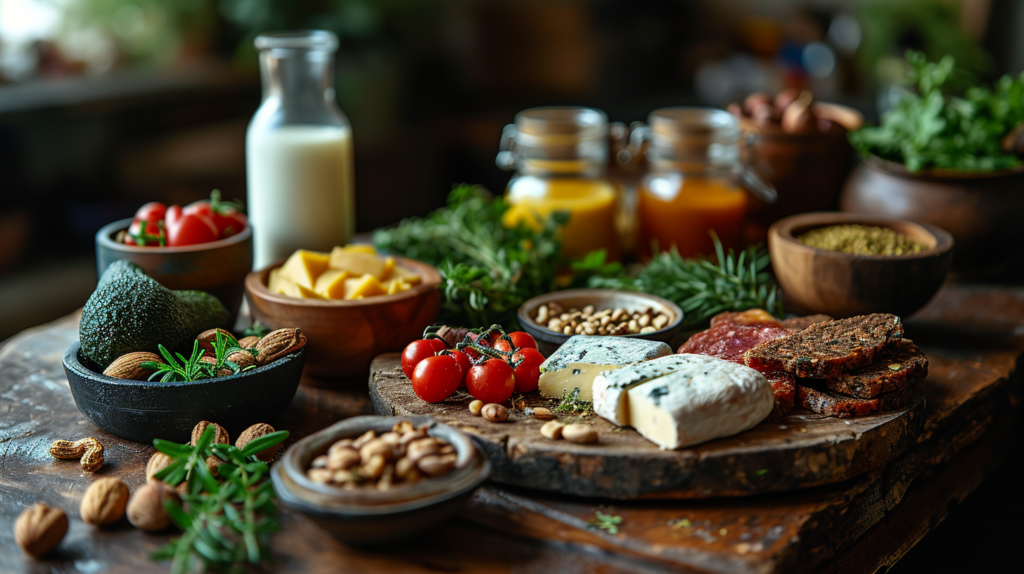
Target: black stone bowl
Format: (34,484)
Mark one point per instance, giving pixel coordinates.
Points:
(368,517)
(143,410)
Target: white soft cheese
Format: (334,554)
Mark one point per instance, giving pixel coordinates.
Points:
(700,398)
(580,359)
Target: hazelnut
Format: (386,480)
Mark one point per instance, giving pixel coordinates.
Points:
(40,529)
(220,435)
(146,507)
(105,501)
(254,432)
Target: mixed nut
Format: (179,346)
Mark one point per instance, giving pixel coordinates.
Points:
(249,352)
(402,456)
(590,321)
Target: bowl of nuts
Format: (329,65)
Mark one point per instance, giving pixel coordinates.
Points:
(372,480)
(552,318)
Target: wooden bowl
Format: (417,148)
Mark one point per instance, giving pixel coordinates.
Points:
(980,210)
(218,268)
(844,285)
(371,517)
(549,341)
(144,410)
(344,336)
(806,168)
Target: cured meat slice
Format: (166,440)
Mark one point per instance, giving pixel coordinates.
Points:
(902,364)
(795,324)
(784,388)
(827,350)
(729,341)
(832,404)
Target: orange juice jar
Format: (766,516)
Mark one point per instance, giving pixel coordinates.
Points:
(693,183)
(560,155)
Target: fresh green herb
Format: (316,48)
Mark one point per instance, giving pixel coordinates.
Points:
(699,286)
(571,403)
(257,329)
(607,522)
(224,524)
(191,369)
(194,368)
(931,129)
(762,472)
(488,270)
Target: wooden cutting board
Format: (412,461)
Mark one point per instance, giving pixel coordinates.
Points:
(801,451)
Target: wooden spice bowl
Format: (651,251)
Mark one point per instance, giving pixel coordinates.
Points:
(549,341)
(344,336)
(372,517)
(845,285)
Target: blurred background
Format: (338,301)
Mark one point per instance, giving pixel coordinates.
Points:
(108,104)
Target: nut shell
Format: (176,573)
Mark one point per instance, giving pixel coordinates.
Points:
(146,507)
(494,412)
(220,435)
(254,432)
(209,336)
(104,502)
(278,344)
(157,462)
(248,342)
(40,529)
(129,366)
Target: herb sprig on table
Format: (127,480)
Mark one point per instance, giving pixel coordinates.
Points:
(177,368)
(224,524)
(931,129)
(487,269)
(701,287)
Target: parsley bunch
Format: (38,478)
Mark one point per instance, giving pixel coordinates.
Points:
(225,524)
(487,269)
(931,129)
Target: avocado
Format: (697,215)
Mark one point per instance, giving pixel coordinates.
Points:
(130,311)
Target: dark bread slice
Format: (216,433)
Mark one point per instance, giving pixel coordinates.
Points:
(814,397)
(784,389)
(900,365)
(829,349)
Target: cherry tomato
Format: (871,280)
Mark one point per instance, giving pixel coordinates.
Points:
(464,362)
(228,220)
(436,378)
(491,382)
(188,229)
(520,340)
(479,341)
(145,227)
(417,351)
(153,211)
(527,374)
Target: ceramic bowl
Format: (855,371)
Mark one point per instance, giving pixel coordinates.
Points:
(218,268)
(144,410)
(549,341)
(844,285)
(980,210)
(345,336)
(371,517)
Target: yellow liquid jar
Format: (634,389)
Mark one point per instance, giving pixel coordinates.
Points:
(560,154)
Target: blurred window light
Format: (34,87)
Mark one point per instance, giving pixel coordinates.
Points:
(819,59)
(24,21)
(845,33)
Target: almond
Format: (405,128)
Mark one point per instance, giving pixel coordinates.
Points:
(40,529)
(254,432)
(248,342)
(220,435)
(243,359)
(129,366)
(209,336)
(278,344)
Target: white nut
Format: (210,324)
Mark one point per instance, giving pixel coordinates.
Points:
(579,433)
(552,430)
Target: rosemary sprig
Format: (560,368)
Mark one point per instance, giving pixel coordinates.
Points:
(607,522)
(171,370)
(225,524)
(701,287)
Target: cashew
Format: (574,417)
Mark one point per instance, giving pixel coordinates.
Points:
(552,430)
(579,433)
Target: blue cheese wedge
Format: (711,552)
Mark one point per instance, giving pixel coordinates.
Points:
(610,398)
(580,359)
(698,399)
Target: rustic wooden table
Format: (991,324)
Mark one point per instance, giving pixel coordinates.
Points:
(974,337)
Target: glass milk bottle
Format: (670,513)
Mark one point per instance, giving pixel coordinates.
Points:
(298,150)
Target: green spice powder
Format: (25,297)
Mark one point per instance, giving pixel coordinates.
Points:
(860,240)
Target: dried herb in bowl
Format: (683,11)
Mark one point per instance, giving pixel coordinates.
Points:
(860,240)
